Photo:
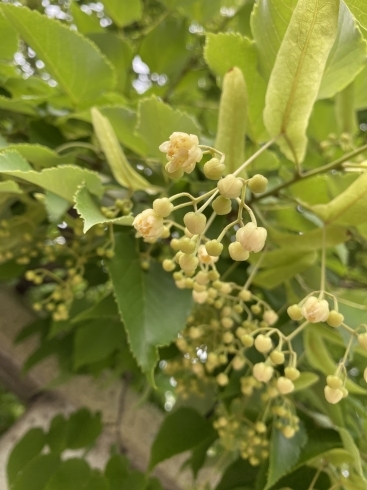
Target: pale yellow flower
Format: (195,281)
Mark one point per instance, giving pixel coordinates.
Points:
(149,224)
(182,152)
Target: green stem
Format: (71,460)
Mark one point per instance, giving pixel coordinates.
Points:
(77,144)
(297,331)
(254,156)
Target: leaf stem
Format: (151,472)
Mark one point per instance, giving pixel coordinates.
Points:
(255,155)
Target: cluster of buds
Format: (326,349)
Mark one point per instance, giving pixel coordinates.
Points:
(315,310)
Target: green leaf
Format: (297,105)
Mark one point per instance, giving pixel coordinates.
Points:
(180,431)
(71,475)
(199,453)
(85,23)
(231,132)
(305,381)
(57,434)
(239,474)
(157,121)
(273,17)
(353,451)
(295,80)
(24,451)
(124,121)
(97,482)
(9,40)
(96,340)
(62,181)
(89,210)
(311,240)
(359,10)
(75,63)
(83,429)
(17,105)
(39,155)
(117,469)
(348,208)
(123,13)
(347,56)
(56,206)
(319,357)
(345,114)
(360,93)
(284,454)
(120,167)
(37,472)
(224,51)
(10,187)
(141,298)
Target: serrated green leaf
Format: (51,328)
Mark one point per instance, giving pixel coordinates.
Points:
(17,105)
(348,208)
(295,80)
(347,56)
(157,121)
(284,454)
(75,63)
(9,40)
(37,472)
(123,13)
(319,357)
(180,431)
(96,340)
(24,451)
(85,23)
(119,165)
(39,155)
(231,132)
(91,214)
(83,429)
(71,474)
(144,300)
(224,51)
(359,10)
(305,381)
(11,187)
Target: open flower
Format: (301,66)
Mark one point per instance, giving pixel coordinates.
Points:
(315,310)
(204,257)
(149,224)
(182,152)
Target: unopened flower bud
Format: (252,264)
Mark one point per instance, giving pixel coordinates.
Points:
(195,222)
(263,344)
(213,169)
(168,265)
(362,339)
(227,337)
(222,379)
(257,184)
(252,237)
(227,322)
(238,363)
(247,340)
(222,205)
(315,310)
(214,248)
(260,427)
(284,385)
(291,373)
(202,278)
(344,391)
(245,295)
(200,297)
(335,319)
(237,252)
(334,382)
(213,275)
(188,262)
(198,287)
(333,395)
(294,312)
(288,431)
(230,186)
(175,244)
(270,317)
(277,357)
(187,245)
(149,224)
(256,309)
(262,372)
(163,207)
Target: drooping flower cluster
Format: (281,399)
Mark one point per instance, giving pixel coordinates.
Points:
(183,153)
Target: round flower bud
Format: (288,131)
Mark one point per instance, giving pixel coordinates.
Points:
(344,391)
(222,379)
(182,151)
(262,372)
(188,262)
(245,295)
(198,287)
(227,322)
(291,373)
(227,337)
(252,237)
(214,248)
(333,395)
(213,169)
(204,257)
(230,186)
(175,244)
(200,297)
(257,184)
(168,265)
(335,319)
(263,344)
(294,312)
(237,252)
(256,309)
(213,275)
(222,205)
(189,283)
(284,385)
(277,357)
(163,207)
(149,224)
(365,374)
(315,310)
(187,245)
(334,382)
(247,340)
(270,317)
(260,427)
(195,222)
(177,174)
(288,431)
(238,363)
(362,339)
(202,278)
